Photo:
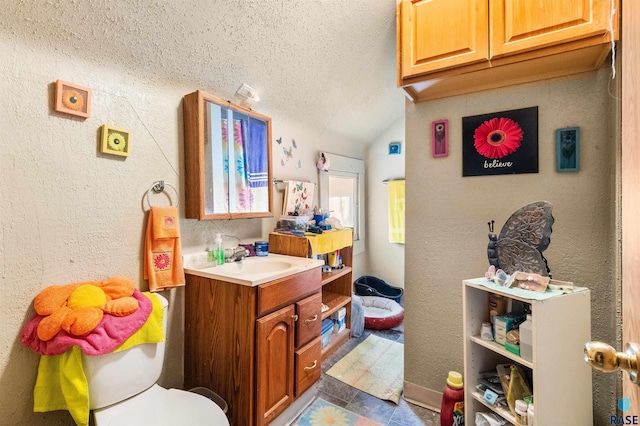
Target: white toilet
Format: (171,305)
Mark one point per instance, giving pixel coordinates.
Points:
(123,390)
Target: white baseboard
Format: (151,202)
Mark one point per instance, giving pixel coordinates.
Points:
(424,397)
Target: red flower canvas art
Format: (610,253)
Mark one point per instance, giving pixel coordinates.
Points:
(497,137)
(503,142)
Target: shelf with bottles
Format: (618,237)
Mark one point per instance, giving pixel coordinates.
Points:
(559,377)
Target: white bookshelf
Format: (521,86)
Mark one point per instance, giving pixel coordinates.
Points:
(561,380)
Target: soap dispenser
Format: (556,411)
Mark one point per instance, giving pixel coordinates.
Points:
(219,251)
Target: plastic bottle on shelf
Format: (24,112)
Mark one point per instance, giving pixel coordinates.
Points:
(521,413)
(530,414)
(452,408)
(219,251)
(526,337)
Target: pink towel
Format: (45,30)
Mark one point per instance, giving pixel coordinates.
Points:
(108,335)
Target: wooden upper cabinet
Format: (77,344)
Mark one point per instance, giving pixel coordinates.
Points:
(440,34)
(453,47)
(522,25)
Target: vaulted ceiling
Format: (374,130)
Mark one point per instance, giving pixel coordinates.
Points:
(327,63)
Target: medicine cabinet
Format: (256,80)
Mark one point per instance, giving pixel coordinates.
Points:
(227,158)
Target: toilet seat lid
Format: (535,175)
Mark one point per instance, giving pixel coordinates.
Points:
(163,407)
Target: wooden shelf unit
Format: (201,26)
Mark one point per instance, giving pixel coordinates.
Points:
(337,285)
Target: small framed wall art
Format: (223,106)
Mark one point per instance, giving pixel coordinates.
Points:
(568,149)
(115,141)
(73,99)
(395,148)
(440,138)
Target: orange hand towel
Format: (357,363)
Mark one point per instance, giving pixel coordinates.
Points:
(163,253)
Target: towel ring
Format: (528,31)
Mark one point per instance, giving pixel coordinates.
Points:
(158,187)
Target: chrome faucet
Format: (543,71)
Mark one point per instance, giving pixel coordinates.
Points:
(238,254)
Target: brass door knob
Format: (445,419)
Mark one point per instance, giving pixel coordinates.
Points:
(604,357)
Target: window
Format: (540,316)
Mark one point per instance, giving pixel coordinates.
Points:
(342,193)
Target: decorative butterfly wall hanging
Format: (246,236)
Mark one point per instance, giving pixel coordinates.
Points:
(288,153)
(523,238)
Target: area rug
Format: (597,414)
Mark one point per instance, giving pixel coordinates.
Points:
(323,413)
(375,366)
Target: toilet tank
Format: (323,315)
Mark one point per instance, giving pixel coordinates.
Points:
(116,376)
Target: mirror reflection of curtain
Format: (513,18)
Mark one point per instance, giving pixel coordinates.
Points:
(257,165)
(238,182)
(217,199)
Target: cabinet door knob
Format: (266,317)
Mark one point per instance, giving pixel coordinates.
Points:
(308,320)
(295,318)
(315,364)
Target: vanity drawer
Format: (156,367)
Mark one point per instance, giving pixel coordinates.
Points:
(308,365)
(282,292)
(309,323)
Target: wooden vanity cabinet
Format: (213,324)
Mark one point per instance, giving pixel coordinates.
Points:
(257,347)
(452,47)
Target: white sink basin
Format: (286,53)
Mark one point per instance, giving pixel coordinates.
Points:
(250,271)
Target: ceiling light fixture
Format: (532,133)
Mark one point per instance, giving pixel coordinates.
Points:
(247,94)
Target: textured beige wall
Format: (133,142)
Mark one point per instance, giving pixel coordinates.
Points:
(71,214)
(384,259)
(447,217)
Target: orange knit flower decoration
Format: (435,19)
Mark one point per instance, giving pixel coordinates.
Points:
(78,308)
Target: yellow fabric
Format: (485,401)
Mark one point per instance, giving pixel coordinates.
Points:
(61,383)
(331,240)
(87,295)
(151,331)
(396,211)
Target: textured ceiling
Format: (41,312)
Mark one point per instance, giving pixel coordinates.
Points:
(327,63)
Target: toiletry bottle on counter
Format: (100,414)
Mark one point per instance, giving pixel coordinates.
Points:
(219,251)
(262,248)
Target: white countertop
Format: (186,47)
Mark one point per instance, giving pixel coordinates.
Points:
(251,271)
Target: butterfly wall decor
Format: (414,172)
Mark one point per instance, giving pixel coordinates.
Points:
(288,153)
(523,238)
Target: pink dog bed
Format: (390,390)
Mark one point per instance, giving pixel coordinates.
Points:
(381,313)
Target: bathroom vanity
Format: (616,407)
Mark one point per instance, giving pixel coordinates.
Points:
(256,341)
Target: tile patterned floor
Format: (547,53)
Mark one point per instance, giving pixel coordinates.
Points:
(356,401)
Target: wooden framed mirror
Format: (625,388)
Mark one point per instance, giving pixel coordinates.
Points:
(227,158)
